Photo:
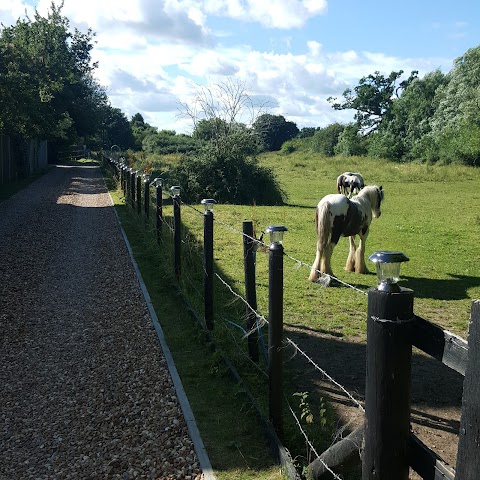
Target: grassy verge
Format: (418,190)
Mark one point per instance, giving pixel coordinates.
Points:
(227,422)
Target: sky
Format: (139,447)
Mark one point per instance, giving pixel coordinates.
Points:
(289,55)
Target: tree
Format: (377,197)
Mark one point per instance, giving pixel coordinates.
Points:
(351,141)
(47,88)
(458,113)
(307,132)
(209,129)
(409,120)
(167,141)
(325,139)
(273,131)
(141,130)
(117,129)
(372,98)
(225,166)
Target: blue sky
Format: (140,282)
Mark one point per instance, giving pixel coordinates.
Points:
(293,54)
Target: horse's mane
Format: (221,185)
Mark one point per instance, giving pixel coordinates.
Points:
(371,191)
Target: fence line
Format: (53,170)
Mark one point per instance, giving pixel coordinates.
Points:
(344,390)
(297,348)
(389,446)
(259,317)
(259,243)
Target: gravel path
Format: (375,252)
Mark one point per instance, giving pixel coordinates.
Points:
(85,391)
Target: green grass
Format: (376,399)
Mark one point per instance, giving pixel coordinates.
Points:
(430,213)
(229,428)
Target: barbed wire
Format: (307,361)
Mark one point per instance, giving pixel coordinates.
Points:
(335,476)
(332,380)
(241,350)
(325,275)
(296,347)
(301,263)
(261,320)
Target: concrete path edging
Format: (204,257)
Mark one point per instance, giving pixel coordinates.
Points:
(182,397)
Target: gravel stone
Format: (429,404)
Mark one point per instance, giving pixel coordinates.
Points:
(85,391)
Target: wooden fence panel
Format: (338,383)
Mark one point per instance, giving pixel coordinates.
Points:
(440,344)
(468,456)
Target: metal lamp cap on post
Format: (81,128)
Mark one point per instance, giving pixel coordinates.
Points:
(175,190)
(208,203)
(388,269)
(139,173)
(158,182)
(276,233)
(146,177)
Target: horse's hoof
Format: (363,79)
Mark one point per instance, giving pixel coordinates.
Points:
(325,280)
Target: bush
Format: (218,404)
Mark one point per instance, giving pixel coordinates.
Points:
(227,180)
(296,145)
(325,139)
(351,142)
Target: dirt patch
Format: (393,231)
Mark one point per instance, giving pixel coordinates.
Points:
(436,389)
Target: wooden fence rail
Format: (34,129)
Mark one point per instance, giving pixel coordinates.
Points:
(388,448)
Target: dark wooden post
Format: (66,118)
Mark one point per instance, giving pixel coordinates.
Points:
(127,184)
(387,396)
(468,458)
(139,192)
(275,327)
(208,261)
(177,226)
(132,187)
(159,206)
(120,174)
(124,179)
(249,254)
(146,196)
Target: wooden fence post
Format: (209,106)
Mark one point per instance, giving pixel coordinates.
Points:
(177,228)
(388,385)
(146,196)
(468,458)
(275,327)
(139,192)
(249,254)
(158,206)
(132,187)
(208,261)
(127,184)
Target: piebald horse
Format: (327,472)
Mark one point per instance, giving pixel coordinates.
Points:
(348,183)
(338,216)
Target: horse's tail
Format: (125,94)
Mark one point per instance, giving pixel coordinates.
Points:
(339,184)
(323,228)
(323,224)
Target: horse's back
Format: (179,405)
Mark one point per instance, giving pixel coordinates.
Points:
(337,203)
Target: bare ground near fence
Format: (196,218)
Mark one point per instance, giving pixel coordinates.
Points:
(436,389)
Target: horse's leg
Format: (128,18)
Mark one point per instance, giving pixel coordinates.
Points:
(350,265)
(316,264)
(360,266)
(326,266)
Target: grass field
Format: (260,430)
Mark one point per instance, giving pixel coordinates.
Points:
(431,213)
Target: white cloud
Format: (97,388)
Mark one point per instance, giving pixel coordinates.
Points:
(11,10)
(282,14)
(152,55)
